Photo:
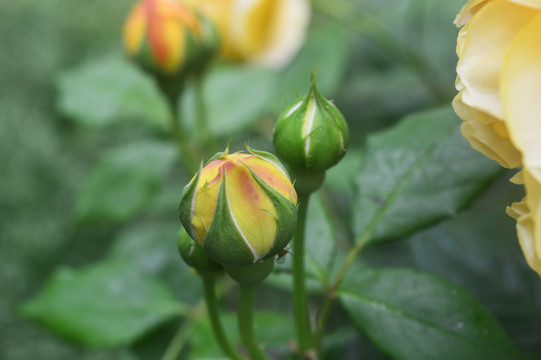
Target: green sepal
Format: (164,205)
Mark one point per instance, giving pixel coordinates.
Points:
(194,255)
(287,138)
(326,149)
(285,217)
(223,242)
(251,274)
(270,158)
(186,204)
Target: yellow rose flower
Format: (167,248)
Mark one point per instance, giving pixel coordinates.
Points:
(499,99)
(268,32)
(241,208)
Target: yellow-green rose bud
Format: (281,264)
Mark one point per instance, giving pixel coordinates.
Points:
(168,38)
(311,135)
(241,208)
(194,255)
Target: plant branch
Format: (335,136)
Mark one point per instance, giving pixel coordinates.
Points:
(302,322)
(245,314)
(217,328)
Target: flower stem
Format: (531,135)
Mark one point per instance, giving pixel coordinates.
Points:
(208,140)
(245,314)
(187,153)
(302,322)
(217,328)
(331,292)
(187,327)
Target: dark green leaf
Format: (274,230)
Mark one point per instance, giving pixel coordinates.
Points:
(124,181)
(106,304)
(418,172)
(103,91)
(479,249)
(413,315)
(152,248)
(341,177)
(234,98)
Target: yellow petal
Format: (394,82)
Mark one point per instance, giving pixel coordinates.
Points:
(134,29)
(489,35)
(521,92)
(206,198)
(468,11)
(174,38)
(480,133)
(253,211)
(285,34)
(518,178)
(531,3)
(525,230)
(461,39)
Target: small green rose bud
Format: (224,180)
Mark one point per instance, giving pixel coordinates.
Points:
(194,255)
(241,208)
(311,135)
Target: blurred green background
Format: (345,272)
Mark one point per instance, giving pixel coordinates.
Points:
(378,60)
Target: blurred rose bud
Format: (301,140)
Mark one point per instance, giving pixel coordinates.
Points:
(311,134)
(240,207)
(269,32)
(194,255)
(499,84)
(168,38)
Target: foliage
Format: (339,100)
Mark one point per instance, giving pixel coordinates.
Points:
(88,213)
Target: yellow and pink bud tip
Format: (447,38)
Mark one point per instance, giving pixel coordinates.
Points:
(166,36)
(241,208)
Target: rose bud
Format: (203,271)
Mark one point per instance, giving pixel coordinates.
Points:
(311,135)
(167,38)
(241,208)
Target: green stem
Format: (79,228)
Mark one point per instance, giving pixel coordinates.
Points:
(245,314)
(184,332)
(302,322)
(325,311)
(188,155)
(187,327)
(208,140)
(217,328)
(331,292)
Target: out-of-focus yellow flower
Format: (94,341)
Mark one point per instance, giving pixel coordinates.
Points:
(166,36)
(261,31)
(499,99)
(240,207)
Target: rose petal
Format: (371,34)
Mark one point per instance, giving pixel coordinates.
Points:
(468,11)
(525,230)
(478,129)
(489,35)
